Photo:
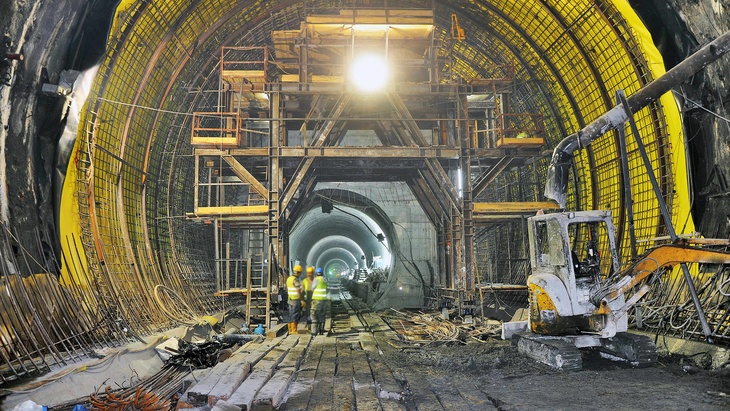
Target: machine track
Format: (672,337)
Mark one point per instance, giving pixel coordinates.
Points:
(552,351)
(639,350)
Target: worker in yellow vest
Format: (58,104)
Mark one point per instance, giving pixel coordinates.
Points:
(294,294)
(307,293)
(319,301)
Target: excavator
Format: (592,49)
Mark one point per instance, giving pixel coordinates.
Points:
(579,296)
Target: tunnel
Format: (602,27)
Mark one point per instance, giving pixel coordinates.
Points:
(343,232)
(178,153)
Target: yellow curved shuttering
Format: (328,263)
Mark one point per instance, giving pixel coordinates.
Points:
(681,215)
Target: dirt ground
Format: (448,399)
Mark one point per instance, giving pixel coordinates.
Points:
(512,381)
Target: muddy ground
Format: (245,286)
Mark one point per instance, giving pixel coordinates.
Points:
(512,381)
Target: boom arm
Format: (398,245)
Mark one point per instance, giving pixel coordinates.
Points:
(659,257)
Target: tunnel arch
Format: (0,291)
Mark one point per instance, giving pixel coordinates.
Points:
(132,198)
(347,234)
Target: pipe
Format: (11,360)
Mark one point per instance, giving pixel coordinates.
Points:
(557,178)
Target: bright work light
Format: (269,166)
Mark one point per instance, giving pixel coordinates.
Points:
(369,73)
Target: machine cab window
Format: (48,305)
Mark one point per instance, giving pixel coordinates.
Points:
(550,250)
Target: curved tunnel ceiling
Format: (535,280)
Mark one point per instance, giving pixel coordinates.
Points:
(569,59)
(347,233)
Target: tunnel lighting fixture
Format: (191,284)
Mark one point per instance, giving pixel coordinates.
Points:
(369,73)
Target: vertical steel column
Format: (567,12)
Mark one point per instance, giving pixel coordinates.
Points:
(275,254)
(467,225)
(628,198)
(665,214)
(217,251)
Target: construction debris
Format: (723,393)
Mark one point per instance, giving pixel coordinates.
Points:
(433,329)
(201,355)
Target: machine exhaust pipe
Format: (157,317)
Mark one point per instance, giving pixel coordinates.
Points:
(557,177)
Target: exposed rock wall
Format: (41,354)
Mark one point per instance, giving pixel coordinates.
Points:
(679,28)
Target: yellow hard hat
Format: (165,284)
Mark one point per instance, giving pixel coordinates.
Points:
(297,268)
(310,270)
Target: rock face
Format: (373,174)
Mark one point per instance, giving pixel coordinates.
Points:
(52,37)
(679,27)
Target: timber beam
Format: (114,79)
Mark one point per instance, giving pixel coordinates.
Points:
(502,210)
(245,176)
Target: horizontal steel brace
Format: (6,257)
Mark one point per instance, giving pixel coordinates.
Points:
(443,91)
(450,153)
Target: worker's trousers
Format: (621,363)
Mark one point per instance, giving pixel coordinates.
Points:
(319,314)
(295,310)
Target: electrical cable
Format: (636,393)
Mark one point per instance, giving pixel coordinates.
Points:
(700,106)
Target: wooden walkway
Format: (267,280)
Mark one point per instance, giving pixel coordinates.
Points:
(347,369)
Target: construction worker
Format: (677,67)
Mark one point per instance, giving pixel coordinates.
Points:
(319,301)
(307,289)
(296,301)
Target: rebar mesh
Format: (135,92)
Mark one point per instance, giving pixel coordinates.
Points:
(136,166)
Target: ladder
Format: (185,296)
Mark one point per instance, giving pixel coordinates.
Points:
(257,300)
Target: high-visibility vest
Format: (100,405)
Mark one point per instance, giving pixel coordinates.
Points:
(291,287)
(320,290)
(306,284)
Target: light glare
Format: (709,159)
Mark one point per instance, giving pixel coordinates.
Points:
(369,73)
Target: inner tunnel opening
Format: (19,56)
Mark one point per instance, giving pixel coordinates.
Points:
(354,236)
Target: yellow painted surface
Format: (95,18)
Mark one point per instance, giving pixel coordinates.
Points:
(122,10)
(75,264)
(509,142)
(539,301)
(682,217)
(231,211)
(511,207)
(224,142)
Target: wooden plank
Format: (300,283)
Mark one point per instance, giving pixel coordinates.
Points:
(296,354)
(476,399)
(514,207)
(509,142)
(271,395)
(300,390)
(232,210)
(276,331)
(322,392)
(198,392)
(230,379)
(369,20)
(220,142)
(248,74)
(448,394)
(389,12)
(224,406)
(385,383)
(239,367)
(245,394)
(343,395)
(366,397)
(422,395)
